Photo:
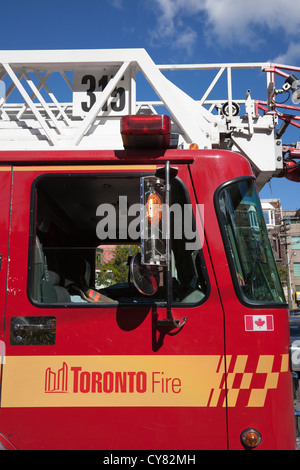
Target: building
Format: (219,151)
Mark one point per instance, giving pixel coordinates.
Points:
(284,234)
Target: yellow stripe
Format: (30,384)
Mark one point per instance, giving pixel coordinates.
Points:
(30,381)
(284,363)
(178,381)
(5,168)
(88,168)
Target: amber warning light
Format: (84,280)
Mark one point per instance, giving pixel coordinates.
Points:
(146,131)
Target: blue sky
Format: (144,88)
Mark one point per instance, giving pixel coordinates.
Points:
(172,31)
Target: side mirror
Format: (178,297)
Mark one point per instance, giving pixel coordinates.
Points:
(144,277)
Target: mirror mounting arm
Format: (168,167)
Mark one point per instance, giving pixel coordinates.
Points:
(169,321)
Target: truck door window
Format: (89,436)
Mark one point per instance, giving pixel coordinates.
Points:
(86,230)
(248,248)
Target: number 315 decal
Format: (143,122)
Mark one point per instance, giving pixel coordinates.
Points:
(117,104)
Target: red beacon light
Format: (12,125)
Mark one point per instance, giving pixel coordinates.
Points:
(146,131)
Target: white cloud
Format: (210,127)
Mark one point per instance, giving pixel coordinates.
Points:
(171,24)
(235,19)
(186,40)
(116,4)
(226,22)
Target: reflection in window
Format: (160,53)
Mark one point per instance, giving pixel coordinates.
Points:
(255,269)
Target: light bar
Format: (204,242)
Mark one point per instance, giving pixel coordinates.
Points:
(146,131)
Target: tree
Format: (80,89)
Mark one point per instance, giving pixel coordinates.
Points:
(282,274)
(116,269)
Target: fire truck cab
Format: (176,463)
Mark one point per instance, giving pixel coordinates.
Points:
(140,305)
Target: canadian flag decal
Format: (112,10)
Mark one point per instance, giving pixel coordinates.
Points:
(259,322)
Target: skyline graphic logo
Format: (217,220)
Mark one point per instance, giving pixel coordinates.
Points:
(57,382)
(138,381)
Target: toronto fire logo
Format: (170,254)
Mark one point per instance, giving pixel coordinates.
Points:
(246,381)
(56,382)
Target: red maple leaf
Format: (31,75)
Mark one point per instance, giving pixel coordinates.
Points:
(259,322)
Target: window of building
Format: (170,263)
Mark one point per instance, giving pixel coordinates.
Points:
(296,269)
(269,216)
(296,243)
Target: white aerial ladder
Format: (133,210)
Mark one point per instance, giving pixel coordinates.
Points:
(74,100)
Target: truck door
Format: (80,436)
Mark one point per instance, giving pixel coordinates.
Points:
(93,359)
(5,184)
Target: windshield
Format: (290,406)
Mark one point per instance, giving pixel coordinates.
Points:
(248,244)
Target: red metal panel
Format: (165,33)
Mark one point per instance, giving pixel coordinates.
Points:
(5,200)
(5,185)
(104,332)
(257,377)
(264,351)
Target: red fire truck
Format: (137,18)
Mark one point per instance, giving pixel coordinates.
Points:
(140,303)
